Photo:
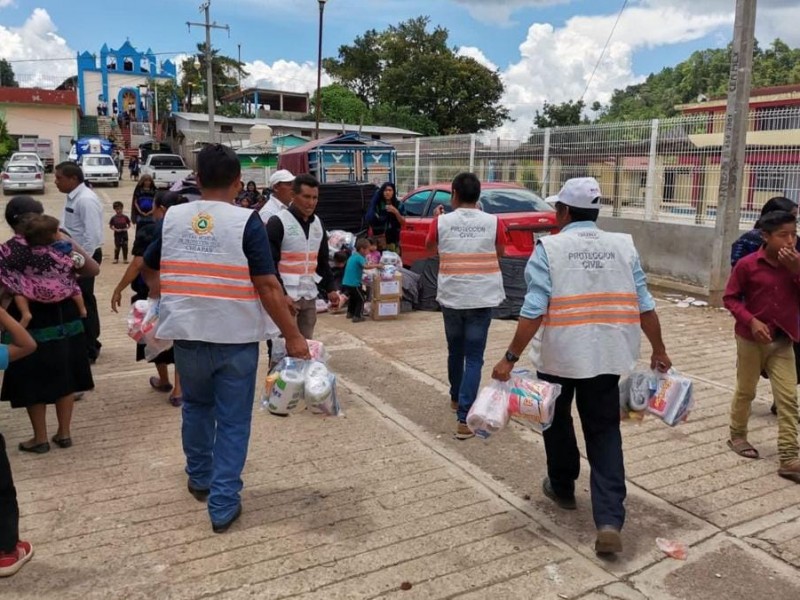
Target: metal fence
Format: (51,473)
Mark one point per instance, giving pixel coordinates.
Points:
(666,169)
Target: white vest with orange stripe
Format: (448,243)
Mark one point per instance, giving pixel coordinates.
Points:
(592,325)
(298,264)
(206,291)
(469,272)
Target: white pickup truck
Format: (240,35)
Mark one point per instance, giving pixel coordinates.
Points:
(165,169)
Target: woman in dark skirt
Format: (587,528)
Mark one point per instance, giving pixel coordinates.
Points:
(59,368)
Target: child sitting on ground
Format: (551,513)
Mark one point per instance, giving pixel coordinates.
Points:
(352,281)
(56,279)
(763,295)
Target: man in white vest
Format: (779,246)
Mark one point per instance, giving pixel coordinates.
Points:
(470,285)
(219,298)
(299,245)
(588,298)
(280,185)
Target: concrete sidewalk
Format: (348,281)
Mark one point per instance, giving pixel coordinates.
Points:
(383,499)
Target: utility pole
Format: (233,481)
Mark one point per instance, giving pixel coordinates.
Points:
(734,146)
(204,7)
(239,66)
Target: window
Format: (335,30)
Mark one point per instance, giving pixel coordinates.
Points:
(769,179)
(512,200)
(306,133)
(376,136)
(669,186)
(127,64)
(167,161)
(226,128)
(97,161)
(414,206)
(440,198)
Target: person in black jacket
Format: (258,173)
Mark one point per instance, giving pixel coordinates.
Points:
(385,217)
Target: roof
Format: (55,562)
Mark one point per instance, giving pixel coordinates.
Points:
(290,124)
(267,91)
(10,95)
(788,92)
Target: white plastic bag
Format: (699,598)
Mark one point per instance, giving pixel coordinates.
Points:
(149,330)
(532,399)
(330,406)
(390,258)
(489,412)
(635,391)
(135,319)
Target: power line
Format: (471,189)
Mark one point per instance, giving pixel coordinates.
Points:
(602,54)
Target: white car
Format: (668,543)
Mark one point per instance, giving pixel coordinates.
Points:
(99,168)
(22,176)
(26,157)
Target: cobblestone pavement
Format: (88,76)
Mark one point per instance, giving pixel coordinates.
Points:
(363,506)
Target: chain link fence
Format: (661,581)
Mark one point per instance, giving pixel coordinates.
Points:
(666,169)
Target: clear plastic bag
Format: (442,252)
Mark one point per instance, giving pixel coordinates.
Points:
(148,329)
(635,391)
(285,390)
(135,319)
(532,399)
(390,258)
(489,412)
(673,399)
(317,383)
(330,406)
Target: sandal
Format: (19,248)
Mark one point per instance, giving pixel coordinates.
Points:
(155,383)
(62,442)
(743,448)
(176,400)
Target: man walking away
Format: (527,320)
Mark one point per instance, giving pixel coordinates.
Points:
(83,220)
(588,293)
(470,285)
(299,246)
(218,291)
(280,183)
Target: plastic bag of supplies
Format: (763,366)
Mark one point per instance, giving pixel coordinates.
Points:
(635,392)
(489,412)
(135,319)
(673,398)
(532,400)
(283,391)
(143,327)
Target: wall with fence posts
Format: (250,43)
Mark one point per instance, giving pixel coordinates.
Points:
(660,171)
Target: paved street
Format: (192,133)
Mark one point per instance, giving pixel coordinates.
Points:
(384,499)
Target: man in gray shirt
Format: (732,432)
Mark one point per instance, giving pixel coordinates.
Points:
(83,220)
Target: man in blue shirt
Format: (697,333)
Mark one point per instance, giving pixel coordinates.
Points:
(588,294)
(14,553)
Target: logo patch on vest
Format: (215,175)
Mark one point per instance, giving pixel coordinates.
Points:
(203,224)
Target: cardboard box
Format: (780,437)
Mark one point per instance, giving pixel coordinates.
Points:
(385,310)
(387,289)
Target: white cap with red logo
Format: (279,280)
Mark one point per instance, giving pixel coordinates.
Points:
(579,192)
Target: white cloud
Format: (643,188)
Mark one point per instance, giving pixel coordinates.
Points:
(37,39)
(4,3)
(556,64)
(500,11)
(286,75)
(478,55)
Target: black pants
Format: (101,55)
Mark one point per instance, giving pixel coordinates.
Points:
(121,244)
(92,321)
(355,301)
(598,408)
(9,510)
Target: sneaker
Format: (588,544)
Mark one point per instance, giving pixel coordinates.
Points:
(609,540)
(116,262)
(454,405)
(463,432)
(200,494)
(790,470)
(11,562)
(358,319)
(564,502)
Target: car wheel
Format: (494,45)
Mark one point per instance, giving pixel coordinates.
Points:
(115,184)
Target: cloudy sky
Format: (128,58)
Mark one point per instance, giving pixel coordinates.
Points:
(544,49)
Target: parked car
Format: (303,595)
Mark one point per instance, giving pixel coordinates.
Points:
(165,169)
(22,176)
(99,168)
(26,157)
(523,216)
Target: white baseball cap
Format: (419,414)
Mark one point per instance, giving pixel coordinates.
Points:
(580,192)
(551,200)
(281,176)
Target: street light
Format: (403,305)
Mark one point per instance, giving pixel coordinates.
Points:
(319,66)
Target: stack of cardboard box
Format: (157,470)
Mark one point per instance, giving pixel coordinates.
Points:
(386,295)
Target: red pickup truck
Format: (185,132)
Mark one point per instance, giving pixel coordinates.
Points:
(523,217)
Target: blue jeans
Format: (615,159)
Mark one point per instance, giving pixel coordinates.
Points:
(466,332)
(219,384)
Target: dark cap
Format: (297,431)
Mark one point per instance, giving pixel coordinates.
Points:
(20,206)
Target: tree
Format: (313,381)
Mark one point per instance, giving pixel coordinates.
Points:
(704,74)
(340,104)
(225,75)
(7,78)
(560,115)
(7,143)
(411,69)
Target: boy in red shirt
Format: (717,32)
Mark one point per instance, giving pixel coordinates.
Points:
(763,295)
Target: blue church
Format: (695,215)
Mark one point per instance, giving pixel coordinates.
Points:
(116,82)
